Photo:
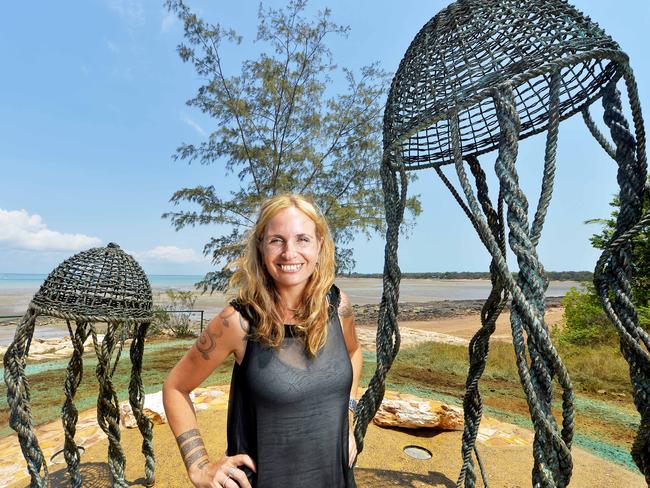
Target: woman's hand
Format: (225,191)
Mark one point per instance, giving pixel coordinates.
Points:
(224,473)
(352,448)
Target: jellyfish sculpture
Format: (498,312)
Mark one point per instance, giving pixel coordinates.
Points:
(480,76)
(101,285)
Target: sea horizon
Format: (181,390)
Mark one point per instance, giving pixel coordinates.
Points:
(35,280)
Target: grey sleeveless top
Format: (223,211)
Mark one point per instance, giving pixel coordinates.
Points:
(289,412)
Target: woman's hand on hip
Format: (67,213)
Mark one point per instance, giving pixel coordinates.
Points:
(224,473)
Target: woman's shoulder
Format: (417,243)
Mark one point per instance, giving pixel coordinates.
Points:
(234,321)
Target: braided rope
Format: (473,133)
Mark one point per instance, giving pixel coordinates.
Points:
(388,337)
(69,413)
(479,345)
(18,396)
(108,415)
(136,399)
(613,270)
(526,313)
(597,134)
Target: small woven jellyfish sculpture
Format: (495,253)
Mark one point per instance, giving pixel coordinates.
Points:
(480,76)
(101,285)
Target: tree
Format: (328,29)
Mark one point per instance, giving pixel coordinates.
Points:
(585,320)
(278,129)
(640,253)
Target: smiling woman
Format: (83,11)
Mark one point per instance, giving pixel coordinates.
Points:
(298,362)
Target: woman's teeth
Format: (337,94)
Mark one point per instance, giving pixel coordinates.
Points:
(290,267)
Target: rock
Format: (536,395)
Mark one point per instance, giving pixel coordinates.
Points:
(153,408)
(416,414)
(602,392)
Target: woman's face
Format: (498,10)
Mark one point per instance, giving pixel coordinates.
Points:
(290,248)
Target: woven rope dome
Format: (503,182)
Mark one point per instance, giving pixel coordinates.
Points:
(100,284)
(471,47)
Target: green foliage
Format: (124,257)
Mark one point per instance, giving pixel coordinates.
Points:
(585,321)
(279,130)
(173,315)
(640,253)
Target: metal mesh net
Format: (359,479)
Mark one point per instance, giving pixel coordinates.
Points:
(471,47)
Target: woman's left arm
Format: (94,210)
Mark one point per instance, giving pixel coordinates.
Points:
(354,350)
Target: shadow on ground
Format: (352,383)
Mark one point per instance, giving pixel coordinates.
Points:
(95,475)
(384,477)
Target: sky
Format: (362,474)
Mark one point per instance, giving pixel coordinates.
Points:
(92,108)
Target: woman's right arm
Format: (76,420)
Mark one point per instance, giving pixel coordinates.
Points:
(223,336)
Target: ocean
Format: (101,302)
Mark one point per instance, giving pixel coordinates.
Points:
(26,281)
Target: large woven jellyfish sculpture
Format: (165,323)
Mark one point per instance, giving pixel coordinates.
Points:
(100,285)
(478,77)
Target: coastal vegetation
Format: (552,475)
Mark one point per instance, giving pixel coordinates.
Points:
(478,275)
(173,315)
(586,323)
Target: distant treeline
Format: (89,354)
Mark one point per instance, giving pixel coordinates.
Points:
(481,275)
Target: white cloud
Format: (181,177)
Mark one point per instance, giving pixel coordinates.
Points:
(170,254)
(195,126)
(168,22)
(20,230)
(130,10)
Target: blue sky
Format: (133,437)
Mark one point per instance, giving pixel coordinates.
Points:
(92,104)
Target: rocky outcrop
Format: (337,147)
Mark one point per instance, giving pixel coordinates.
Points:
(56,348)
(416,311)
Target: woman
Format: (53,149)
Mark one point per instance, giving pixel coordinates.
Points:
(298,363)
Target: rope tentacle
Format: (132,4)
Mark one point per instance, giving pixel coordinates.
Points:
(108,415)
(388,337)
(18,396)
(136,399)
(613,273)
(553,460)
(69,413)
(479,345)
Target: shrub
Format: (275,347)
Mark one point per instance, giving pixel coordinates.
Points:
(585,321)
(171,317)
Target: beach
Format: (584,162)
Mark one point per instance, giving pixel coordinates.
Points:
(445,298)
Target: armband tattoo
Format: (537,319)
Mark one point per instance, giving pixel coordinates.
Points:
(192,448)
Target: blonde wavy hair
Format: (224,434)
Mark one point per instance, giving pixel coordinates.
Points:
(256,288)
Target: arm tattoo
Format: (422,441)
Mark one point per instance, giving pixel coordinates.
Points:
(201,453)
(203,464)
(187,436)
(226,317)
(207,342)
(345,308)
(191,445)
(188,443)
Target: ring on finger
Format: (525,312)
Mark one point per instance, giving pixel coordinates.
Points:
(231,472)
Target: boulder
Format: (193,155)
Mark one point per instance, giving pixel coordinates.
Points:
(153,408)
(417,414)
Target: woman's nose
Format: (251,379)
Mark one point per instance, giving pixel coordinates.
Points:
(289,248)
